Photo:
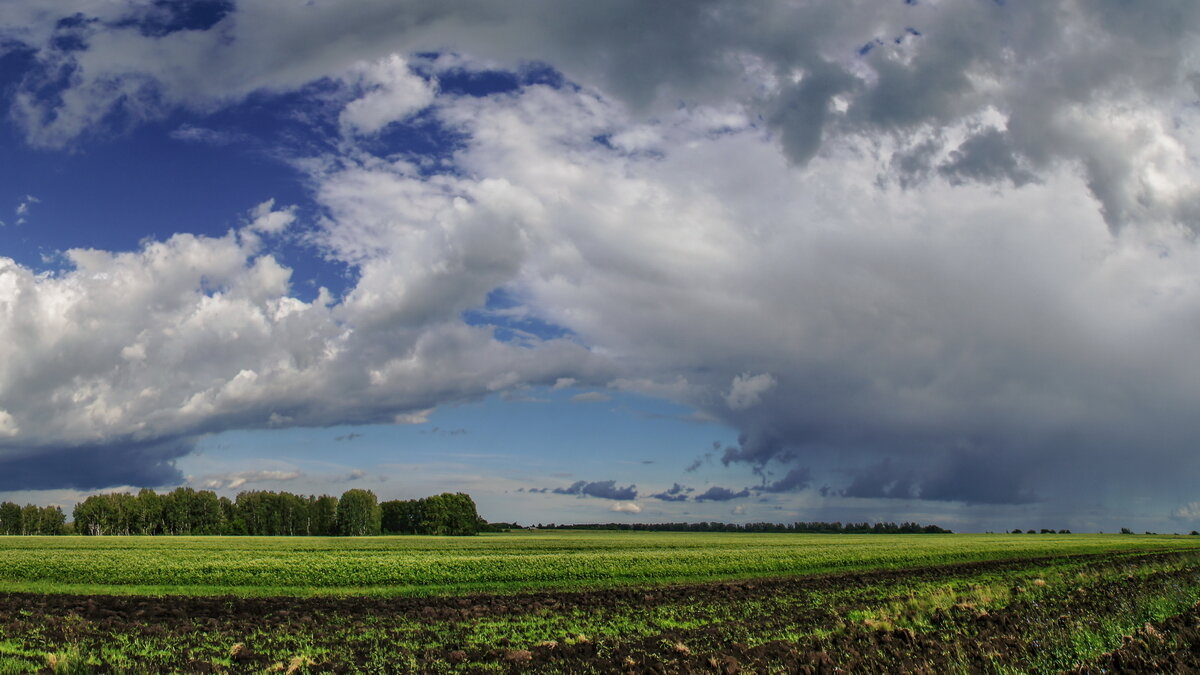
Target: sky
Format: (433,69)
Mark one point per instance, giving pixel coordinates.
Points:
(608,262)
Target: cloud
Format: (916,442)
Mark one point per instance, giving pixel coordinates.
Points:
(196,334)
(26,202)
(591,397)
(676,493)
(717,493)
(1190,512)
(747,390)
(796,479)
(392,93)
(602,489)
(348,437)
(445,432)
(626,507)
(24,206)
(147,464)
(189,133)
(964,260)
(265,219)
(232,481)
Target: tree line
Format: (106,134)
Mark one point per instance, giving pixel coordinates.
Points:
(444,514)
(185,511)
(31,520)
(798,528)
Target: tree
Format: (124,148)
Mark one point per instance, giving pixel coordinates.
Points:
(51,521)
(322,516)
(358,513)
(400,516)
(149,512)
(29,519)
(10,518)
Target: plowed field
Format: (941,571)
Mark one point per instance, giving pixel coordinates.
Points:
(1127,611)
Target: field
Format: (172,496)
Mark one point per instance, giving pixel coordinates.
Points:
(601,602)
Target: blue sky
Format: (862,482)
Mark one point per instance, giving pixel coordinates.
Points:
(614,262)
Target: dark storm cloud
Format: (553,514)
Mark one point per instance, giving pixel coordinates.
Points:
(91,468)
(974,478)
(796,479)
(606,489)
(717,493)
(880,480)
(987,157)
(676,493)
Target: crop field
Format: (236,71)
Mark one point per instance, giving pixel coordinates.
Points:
(601,602)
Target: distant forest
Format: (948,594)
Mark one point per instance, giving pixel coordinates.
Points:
(185,511)
(798,528)
(31,520)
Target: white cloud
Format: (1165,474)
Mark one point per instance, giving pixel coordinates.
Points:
(264,218)
(393,93)
(591,397)
(417,417)
(747,390)
(232,481)
(197,334)
(23,207)
(626,507)
(190,133)
(8,425)
(1190,511)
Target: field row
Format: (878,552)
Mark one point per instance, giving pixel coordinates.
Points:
(415,565)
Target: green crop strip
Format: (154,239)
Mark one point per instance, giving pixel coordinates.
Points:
(500,562)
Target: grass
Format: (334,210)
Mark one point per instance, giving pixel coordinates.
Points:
(304,566)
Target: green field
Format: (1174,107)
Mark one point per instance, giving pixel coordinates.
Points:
(601,602)
(495,562)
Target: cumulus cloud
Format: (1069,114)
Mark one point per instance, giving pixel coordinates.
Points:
(606,489)
(626,507)
(675,493)
(266,219)
(1190,511)
(949,267)
(392,93)
(717,493)
(196,334)
(747,390)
